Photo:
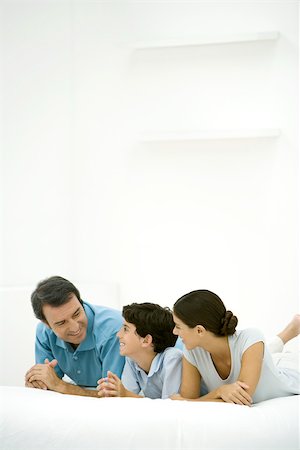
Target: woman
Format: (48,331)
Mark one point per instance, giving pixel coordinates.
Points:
(224,364)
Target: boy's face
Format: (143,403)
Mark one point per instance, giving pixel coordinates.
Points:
(130,341)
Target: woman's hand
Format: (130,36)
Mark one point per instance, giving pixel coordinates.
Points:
(235,393)
(177,397)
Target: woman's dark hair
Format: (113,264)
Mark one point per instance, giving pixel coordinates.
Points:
(153,319)
(205,308)
(54,291)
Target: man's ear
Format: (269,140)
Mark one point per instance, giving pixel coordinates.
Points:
(147,340)
(45,323)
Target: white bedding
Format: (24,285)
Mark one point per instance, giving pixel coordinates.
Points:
(33,419)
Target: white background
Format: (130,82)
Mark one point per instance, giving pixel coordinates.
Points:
(84,197)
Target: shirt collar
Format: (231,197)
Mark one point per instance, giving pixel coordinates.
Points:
(155,365)
(89,342)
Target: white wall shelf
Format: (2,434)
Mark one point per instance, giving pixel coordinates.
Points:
(209,40)
(164,136)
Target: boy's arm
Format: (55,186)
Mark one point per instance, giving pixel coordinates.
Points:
(171,376)
(129,377)
(112,386)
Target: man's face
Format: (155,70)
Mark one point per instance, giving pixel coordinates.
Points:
(69,321)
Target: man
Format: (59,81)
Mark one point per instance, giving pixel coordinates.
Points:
(74,338)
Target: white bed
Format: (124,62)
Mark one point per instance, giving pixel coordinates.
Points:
(33,419)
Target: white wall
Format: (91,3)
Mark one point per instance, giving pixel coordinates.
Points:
(17,335)
(83,197)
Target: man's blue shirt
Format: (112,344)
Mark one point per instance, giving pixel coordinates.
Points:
(98,353)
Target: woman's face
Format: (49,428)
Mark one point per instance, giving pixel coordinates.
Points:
(189,336)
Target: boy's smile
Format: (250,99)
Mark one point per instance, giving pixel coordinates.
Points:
(130,341)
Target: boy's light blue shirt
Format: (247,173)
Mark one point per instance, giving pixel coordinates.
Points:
(163,379)
(97,354)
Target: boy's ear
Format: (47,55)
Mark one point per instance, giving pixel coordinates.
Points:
(147,340)
(200,329)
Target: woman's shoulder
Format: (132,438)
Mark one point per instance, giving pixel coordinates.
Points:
(249,332)
(247,337)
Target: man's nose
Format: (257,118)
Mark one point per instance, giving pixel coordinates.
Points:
(73,324)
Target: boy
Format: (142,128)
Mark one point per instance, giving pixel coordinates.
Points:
(153,366)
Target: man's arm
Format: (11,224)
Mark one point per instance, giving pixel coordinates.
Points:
(39,384)
(43,354)
(45,373)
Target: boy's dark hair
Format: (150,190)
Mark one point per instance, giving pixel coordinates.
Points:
(153,319)
(54,291)
(203,307)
